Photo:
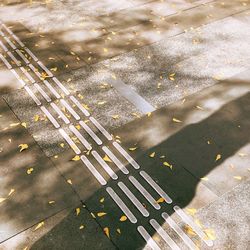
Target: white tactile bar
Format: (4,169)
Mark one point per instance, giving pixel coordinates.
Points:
(70,141)
(194,226)
(45,68)
(104,165)
(35,70)
(14,59)
(18,40)
(60,113)
(60,85)
(115,160)
(7,29)
(70,109)
(31,54)
(9,42)
(121,205)
(17,77)
(22,56)
(41,91)
(5,61)
(145,235)
(1,33)
(156,187)
(3,46)
(144,192)
(163,234)
(50,117)
(92,169)
(28,75)
(80,137)
(126,155)
(79,105)
(52,90)
(133,199)
(32,95)
(179,231)
(90,132)
(101,128)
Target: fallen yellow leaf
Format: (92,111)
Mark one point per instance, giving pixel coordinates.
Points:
(176,120)
(204,178)
(237,177)
(100,214)
(152,155)
(189,230)
(30,170)
(23,147)
(41,224)
(106,231)
(2,199)
(24,124)
(76,158)
(210,234)
(165,163)
(81,227)
(106,158)
(132,149)
(36,118)
(118,230)
(78,210)
(115,116)
(191,211)
(69,181)
(14,124)
(218,157)
(160,200)
(123,218)
(102,200)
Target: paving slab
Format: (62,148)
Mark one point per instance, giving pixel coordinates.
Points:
(67,229)
(29,180)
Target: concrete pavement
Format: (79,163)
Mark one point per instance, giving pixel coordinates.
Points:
(188,158)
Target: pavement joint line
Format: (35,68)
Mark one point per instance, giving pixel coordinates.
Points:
(179,231)
(149,240)
(163,234)
(121,205)
(127,92)
(133,199)
(114,196)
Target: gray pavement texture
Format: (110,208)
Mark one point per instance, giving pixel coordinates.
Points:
(187,60)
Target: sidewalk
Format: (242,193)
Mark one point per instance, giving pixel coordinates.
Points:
(133,121)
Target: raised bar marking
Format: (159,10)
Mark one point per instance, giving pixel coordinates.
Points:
(10,43)
(28,75)
(52,90)
(163,234)
(144,192)
(41,91)
(93,170)
(70,141)
(80,137)
(79,105)
(60,113)
(156,187)
(121,205)
(31,54)
(3,46)
(60,85)
(90,132)
(14,59)
(193,225)
(7,64)
(126,155)
(45,68)
(104,165)
(70,109)
(133,199)
(179,231)
(115,160)
(50,117)
(101,128)
(35,99)
(145,235)
(22,56)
